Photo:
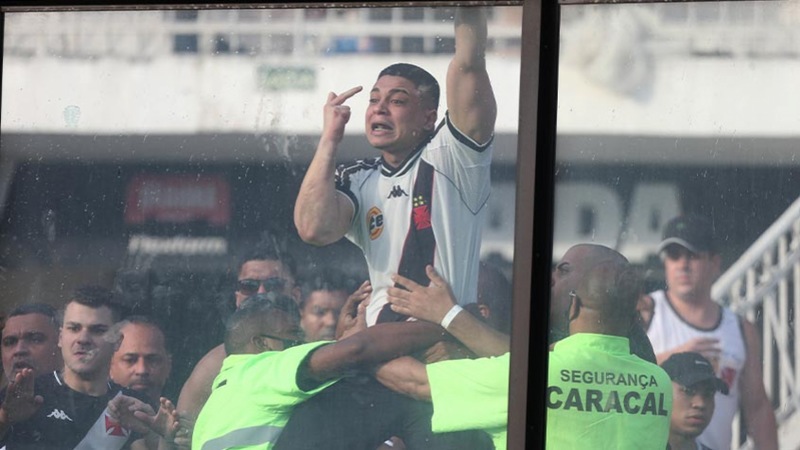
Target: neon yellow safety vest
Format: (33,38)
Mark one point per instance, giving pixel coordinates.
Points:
(251,400)
(471,394)
(599,396)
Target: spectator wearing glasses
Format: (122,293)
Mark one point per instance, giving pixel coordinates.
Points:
(693,388)
(267,373)
(265,268)
(684,318)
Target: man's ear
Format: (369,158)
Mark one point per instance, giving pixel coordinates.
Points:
(430,119)
(118,342)
(484,310)
(260,343)
(716,260)
(296,294)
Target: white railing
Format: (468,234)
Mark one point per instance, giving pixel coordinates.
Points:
(764,286)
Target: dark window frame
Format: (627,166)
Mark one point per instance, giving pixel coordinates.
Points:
(536,156)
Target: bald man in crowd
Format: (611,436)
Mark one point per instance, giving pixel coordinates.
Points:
(599,394)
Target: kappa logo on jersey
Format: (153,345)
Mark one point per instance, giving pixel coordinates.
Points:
(60,415)
(421,213)
(113,428)
(375,222)
(397,191)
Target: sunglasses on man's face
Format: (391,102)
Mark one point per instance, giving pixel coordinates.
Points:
(250,286)
(287,343)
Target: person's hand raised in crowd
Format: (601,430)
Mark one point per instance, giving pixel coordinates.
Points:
(336,114)
(20,403)
(137,415)
(122,408)
(429,303)
(706,346)
(353,317)
(165,423)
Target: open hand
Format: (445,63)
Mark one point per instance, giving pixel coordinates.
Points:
(353,317)
(123,409)
(429,303)
(20,403)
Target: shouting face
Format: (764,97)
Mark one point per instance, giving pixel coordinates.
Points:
(398,118)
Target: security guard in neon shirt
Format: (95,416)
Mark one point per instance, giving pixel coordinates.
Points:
(599,395)
(268,372)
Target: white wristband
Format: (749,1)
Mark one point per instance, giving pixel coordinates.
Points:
(450,316)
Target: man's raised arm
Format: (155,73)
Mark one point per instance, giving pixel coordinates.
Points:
(322,215)
(470,99)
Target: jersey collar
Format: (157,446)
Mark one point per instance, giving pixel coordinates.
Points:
(405,166)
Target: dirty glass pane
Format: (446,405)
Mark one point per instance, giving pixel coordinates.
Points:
(675,109)
(146,151)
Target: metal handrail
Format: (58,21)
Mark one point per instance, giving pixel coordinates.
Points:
(757,286)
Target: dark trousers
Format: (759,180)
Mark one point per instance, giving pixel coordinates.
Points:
(358,413)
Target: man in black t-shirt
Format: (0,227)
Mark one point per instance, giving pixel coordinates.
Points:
(68,409)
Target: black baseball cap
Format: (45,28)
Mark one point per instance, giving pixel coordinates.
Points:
(690,231)
(690,368)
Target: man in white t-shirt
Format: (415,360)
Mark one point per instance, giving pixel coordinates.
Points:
(684,318)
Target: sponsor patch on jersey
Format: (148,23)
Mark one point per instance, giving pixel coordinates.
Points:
(375,222)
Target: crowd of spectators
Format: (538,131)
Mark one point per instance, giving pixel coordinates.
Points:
(417,355)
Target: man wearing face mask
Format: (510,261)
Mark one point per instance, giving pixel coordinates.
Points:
(566,275)
(599,395)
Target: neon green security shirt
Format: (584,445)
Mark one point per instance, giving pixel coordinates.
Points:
(600,396)
(251,400)
(471,394)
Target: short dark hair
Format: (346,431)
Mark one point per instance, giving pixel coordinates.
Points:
(140,319)
(495,292)
(270,249)
(94,296)
(328,279)
(252,314)
(422,79)
(36,308)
